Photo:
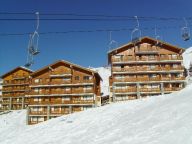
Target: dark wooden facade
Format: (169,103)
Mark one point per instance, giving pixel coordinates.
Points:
(62,88)
(146,68)
(14,88)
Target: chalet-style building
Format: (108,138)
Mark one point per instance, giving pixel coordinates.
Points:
(62,88)
(145,68)
(1,82)
(14,88)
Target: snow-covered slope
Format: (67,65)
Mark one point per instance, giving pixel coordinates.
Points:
(187,57)
(156,120)
(104,72)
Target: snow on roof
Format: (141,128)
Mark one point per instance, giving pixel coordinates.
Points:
(160,120)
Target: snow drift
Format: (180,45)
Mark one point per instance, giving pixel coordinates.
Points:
(156,120)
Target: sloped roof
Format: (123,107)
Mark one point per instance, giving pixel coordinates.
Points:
(68,63)
(16,69)
(145,39)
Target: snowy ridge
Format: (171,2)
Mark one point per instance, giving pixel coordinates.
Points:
(187,57)
(104,72)
(156,120)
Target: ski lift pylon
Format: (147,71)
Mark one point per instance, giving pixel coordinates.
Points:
(29,54)
(185,31)
(35,38)
(136,33)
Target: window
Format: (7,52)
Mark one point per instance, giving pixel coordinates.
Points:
(152,75)
(117,56)
(151,57)
(37,99)
(87,87)
(152,67)
(37,90)
(38,80)
(66,98)
(86,107)
(85,77)
(66,78)
(87,98)
(175,66)
(76,77)
(174,56)
(67,89)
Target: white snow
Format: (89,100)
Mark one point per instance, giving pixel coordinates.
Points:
(156,120)
(187,57)
(104,72)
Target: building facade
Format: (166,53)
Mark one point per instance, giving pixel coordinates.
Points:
(146,68)
(1,82)
(61,88)
(14,88)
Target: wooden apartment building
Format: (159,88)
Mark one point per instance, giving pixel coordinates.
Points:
(14,88)
(145,68)
(61,88)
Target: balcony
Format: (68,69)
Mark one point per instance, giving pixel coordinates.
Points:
(124,59)
(82,91)
(13,95)
(21,76)
(15,89)
(167,89)
(31,112)
(62,112)
(167,58)
(128,90)
(51,92)
(60,73)
(132,79)
(53,102)
(148,50)
(150,90)
(17,102)
(15,83)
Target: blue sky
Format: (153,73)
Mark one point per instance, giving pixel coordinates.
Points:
(86,49)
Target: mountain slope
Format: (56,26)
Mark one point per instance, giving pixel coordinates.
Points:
(156,120)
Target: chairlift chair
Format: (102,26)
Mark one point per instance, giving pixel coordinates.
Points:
(185,31)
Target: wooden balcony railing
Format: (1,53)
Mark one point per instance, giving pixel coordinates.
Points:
(125,79)
(44,112)
(61,102)
(150,89)
(145,69)
(21,76)
(13,95)
(146,50)
(16,83)
(62,112)
(82,91)
(67,72)
(172,89)
(123,59)
(142,79)
(126,90)
(17,102)
(171,58)
(61,91)
(60,82)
